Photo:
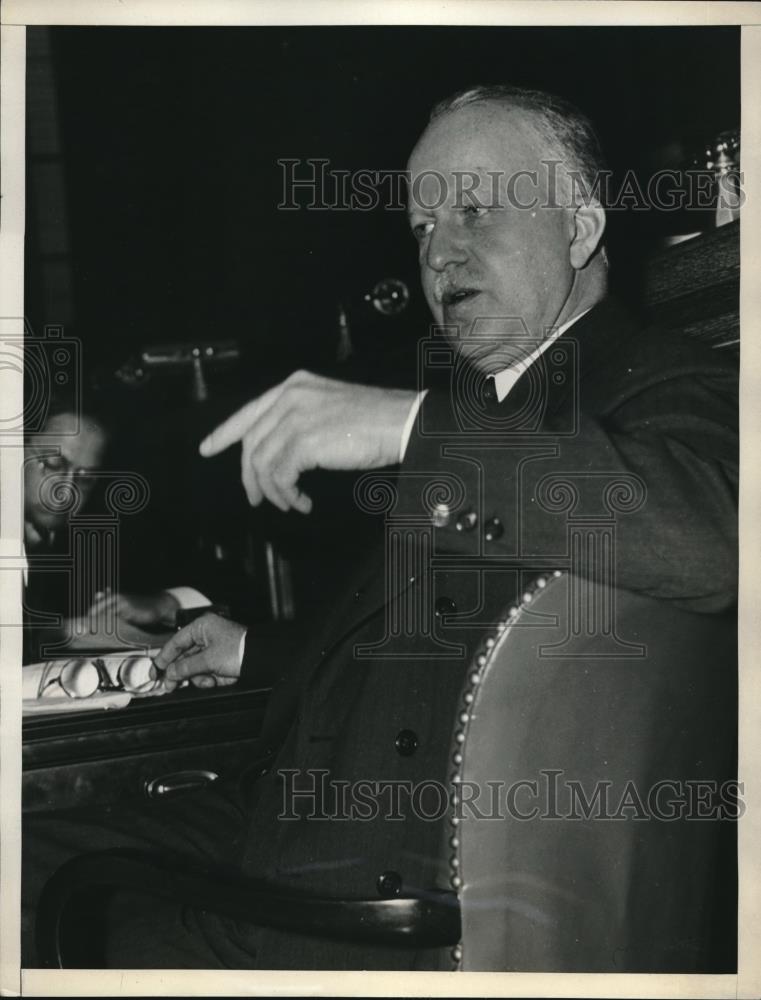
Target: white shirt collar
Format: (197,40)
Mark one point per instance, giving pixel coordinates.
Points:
(506,379)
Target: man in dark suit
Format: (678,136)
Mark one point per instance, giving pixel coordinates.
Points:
(548,377)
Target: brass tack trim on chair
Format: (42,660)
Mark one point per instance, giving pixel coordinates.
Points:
(464,718)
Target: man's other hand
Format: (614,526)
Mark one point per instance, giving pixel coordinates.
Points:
(206,652)
(310,422)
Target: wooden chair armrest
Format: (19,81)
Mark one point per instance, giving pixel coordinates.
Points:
(427,920)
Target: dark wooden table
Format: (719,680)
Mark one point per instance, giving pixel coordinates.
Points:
(154,747)
(162,744)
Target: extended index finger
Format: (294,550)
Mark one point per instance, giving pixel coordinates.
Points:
(234,428)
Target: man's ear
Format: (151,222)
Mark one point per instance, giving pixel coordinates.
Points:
(588,227)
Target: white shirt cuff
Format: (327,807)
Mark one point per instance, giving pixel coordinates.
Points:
(241,648)
(409,424)
(188,597)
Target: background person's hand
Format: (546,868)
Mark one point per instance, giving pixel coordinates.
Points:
(116,621)
(206,652)
(310,422)
(143,610)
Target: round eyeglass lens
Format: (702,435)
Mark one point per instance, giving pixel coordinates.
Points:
(138,675)
(79,678)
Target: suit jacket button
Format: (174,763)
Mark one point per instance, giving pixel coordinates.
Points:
(466,520)
(445,606)
(441,515)
(406,743)
(389,884)
(489,391)
(493,529)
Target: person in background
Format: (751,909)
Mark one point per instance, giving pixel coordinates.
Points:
(68,454)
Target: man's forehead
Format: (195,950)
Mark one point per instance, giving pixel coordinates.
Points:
(485,133)
(79,438)
(67,422)
(485,140)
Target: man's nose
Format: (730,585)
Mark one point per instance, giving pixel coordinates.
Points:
(445,247)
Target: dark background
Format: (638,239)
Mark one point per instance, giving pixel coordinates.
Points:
(168,147)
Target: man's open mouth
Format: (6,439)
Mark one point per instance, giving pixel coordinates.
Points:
(455,296)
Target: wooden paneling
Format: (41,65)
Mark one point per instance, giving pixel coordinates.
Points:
(695,286)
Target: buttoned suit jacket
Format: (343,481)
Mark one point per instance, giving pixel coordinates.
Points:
(622,425)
